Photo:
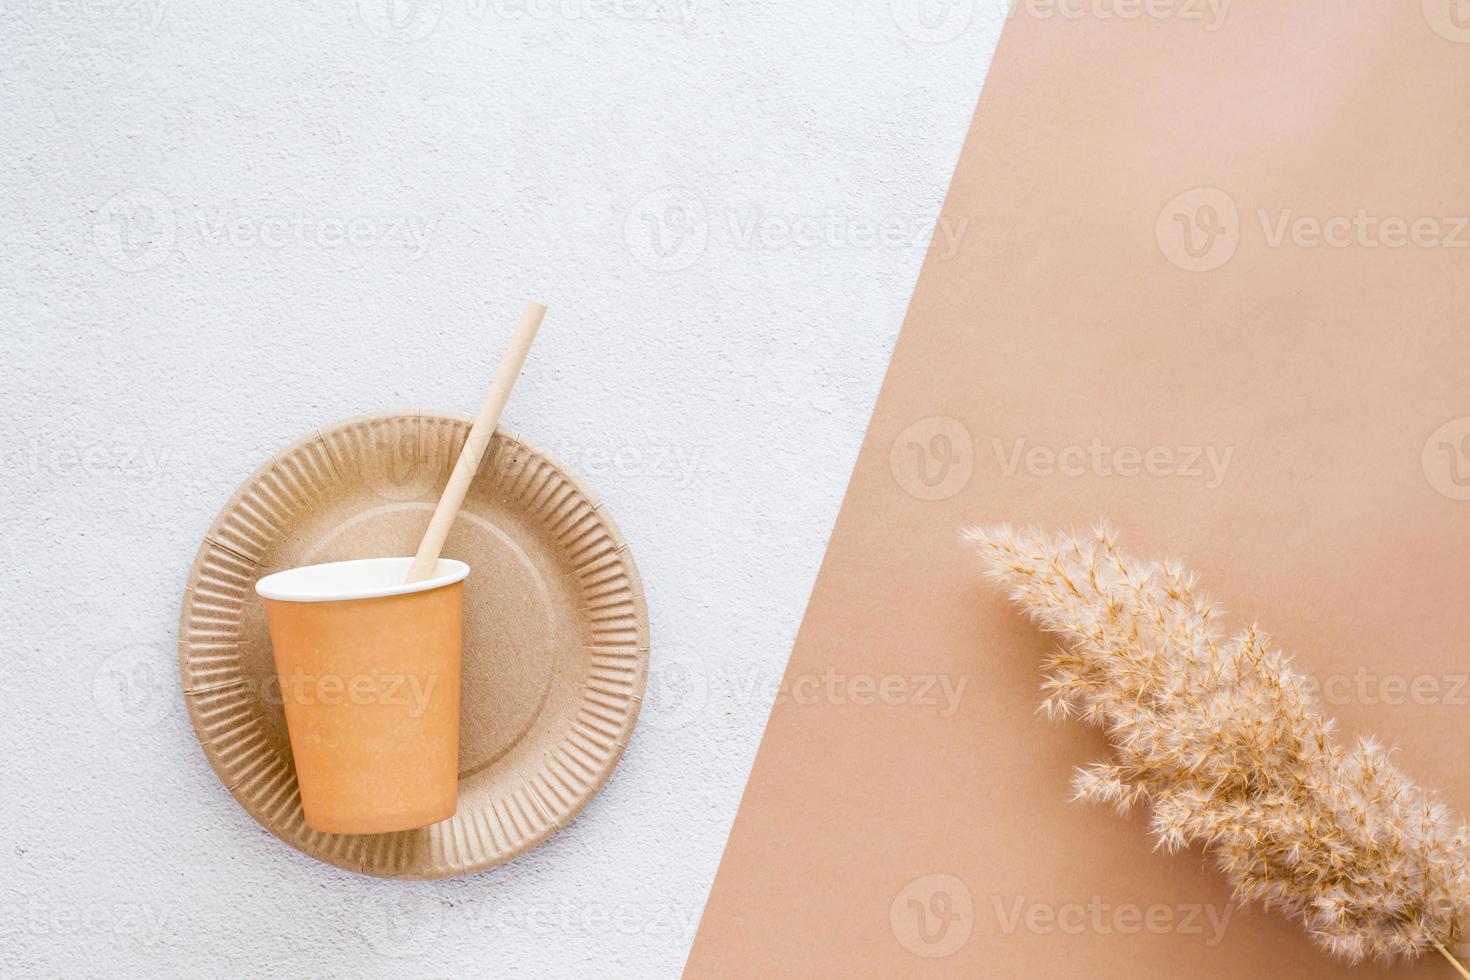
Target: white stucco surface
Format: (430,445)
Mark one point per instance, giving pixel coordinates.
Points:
(225,224)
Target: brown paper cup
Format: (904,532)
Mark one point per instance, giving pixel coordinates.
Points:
(369,671)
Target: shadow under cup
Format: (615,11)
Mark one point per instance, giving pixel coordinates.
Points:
(369,669)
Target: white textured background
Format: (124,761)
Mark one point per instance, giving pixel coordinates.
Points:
(224,224)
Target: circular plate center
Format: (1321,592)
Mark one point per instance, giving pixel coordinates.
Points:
(508,663)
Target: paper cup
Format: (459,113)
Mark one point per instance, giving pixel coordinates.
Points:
(369,672)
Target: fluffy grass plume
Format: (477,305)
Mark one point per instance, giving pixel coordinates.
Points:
(1223,741)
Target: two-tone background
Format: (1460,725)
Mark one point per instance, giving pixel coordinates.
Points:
(227,226)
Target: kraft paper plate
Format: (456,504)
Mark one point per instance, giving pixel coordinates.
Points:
(555,641)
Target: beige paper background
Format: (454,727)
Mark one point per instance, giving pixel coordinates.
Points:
(1334,375)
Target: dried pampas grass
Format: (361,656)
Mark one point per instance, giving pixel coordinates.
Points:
(1223,740)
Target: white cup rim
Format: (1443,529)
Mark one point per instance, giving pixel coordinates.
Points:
(361,578)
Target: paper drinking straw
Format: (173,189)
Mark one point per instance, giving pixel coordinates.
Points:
(474,447)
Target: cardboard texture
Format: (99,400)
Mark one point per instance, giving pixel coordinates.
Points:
(555,642)
(1212,288)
